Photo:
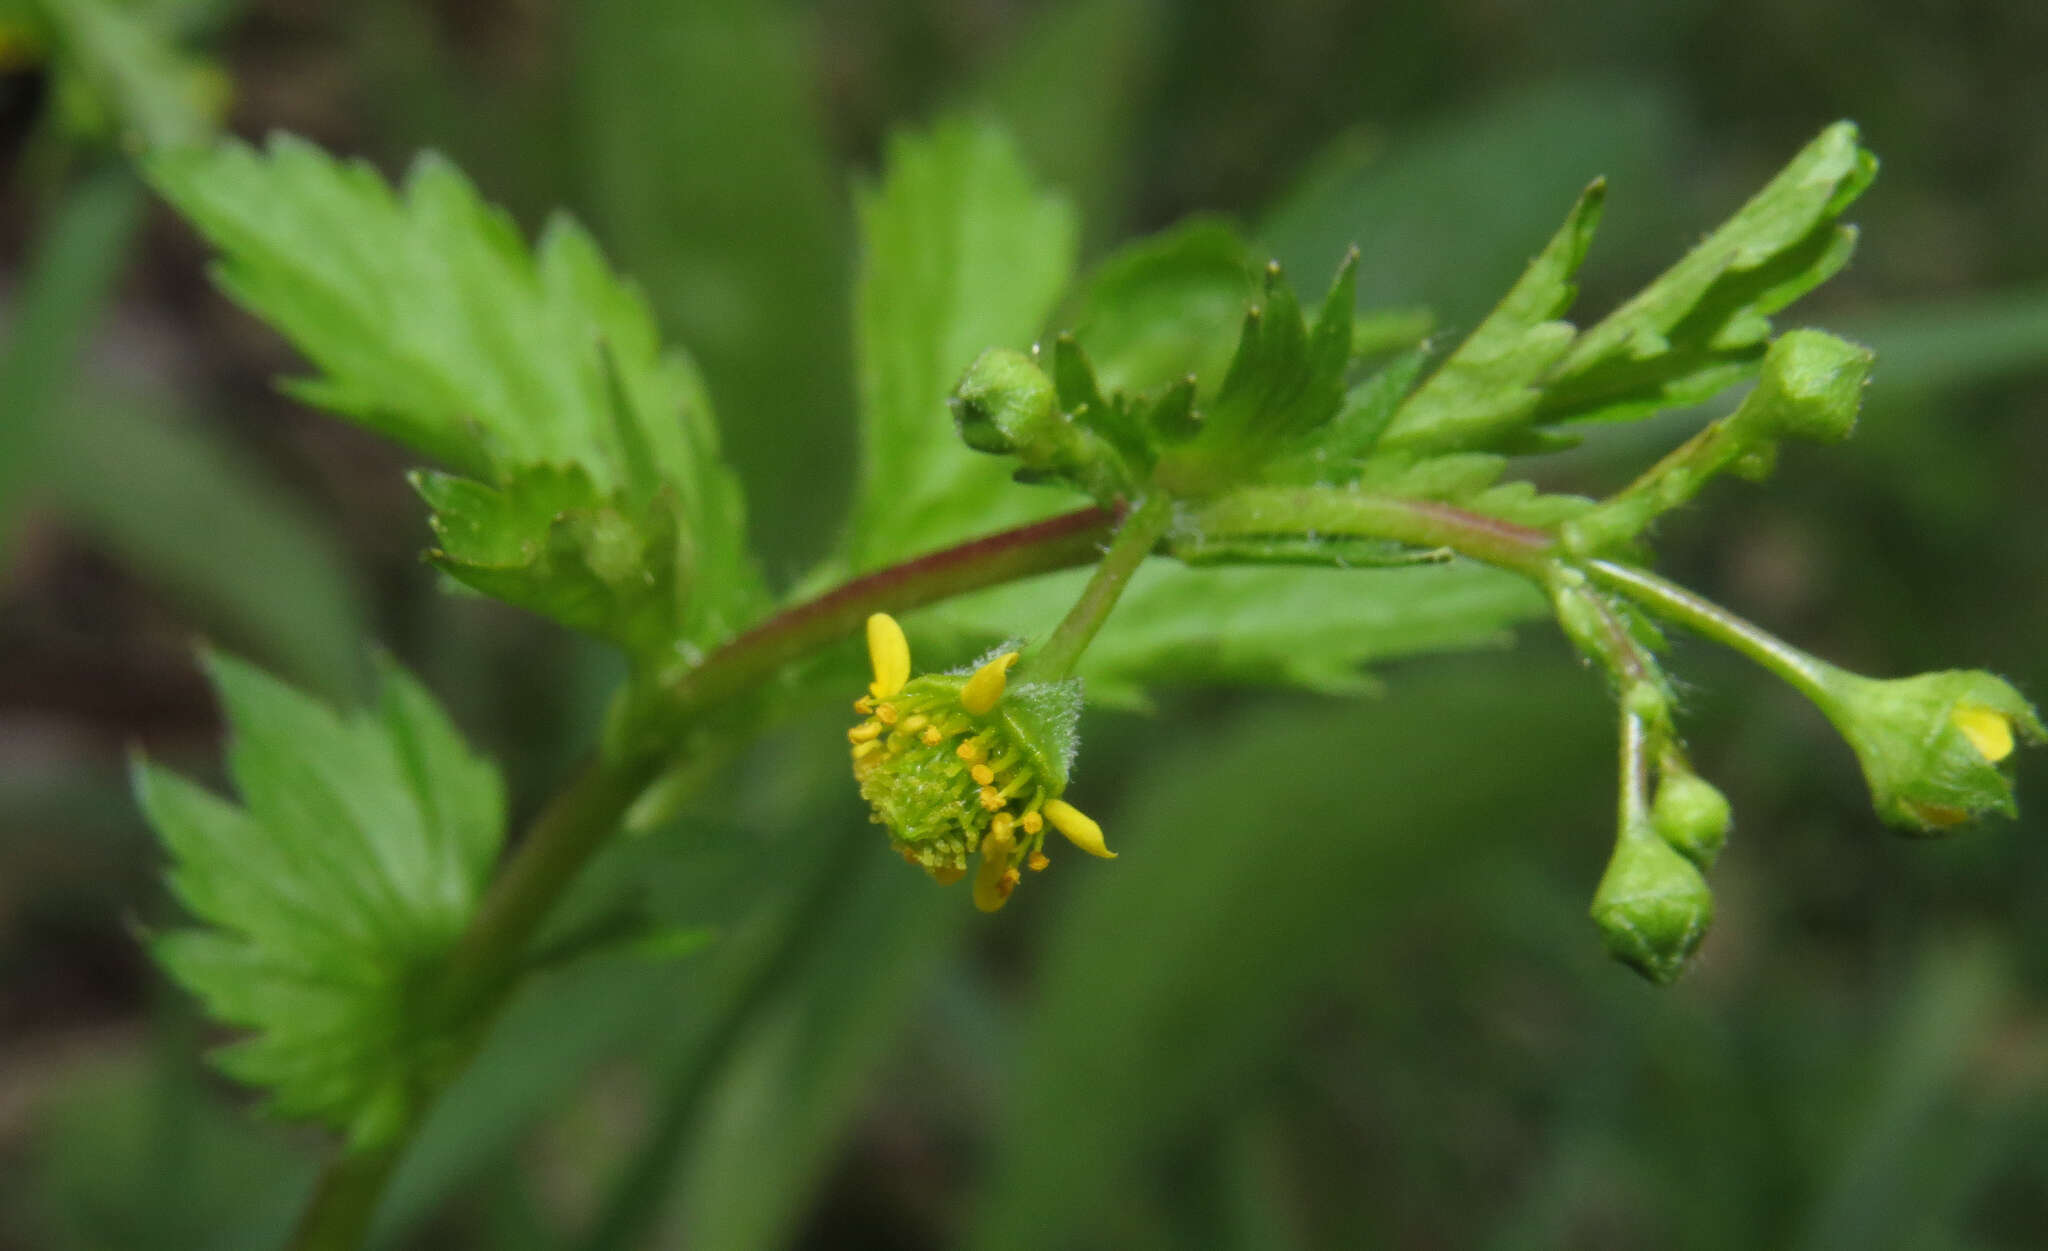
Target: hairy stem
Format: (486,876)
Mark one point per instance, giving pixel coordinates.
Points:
(1344,512)
(1703,617)
(1061,542)
(1140,533)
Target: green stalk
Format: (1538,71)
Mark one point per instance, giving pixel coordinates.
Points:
(1709,620)
(1256,512)
(1140,533)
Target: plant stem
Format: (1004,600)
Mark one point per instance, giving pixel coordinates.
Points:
(1342,511)
(1704,617)
(1058,543)
(344,1199)
(1140,533)
(573,825)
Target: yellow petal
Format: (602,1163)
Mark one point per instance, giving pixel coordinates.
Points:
(1079,828)
(986,686)
(889,653)
(1988,731)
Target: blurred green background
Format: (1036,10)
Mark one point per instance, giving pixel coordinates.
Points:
(1339,991)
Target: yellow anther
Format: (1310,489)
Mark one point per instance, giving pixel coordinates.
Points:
(887,714)
(949,874)
(889,653)
(1037,862)
(931,736)
(982,774)
(864,731)
(865,705)
(986,686)
(969,750)
(1033,823)
(869,748)
(991,799)
(1080,829)
(1003,825)
(1990,732)
(912,724)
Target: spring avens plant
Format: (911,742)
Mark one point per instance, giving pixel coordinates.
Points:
(1202,474)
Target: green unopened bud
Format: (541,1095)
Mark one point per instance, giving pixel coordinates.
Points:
(1005,403)
(1652,907)
(1810,388)
(1692,815)
(1931,745)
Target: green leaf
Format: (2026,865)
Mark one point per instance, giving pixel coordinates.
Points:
(1310,628)
(1706,321)
(355,860)
(1285,379)
(431,322)
(960,252)
(1166,307)
(551,542)
(1491,384)
(1696,330)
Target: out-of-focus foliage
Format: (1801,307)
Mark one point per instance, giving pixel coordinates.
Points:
(1388,1028)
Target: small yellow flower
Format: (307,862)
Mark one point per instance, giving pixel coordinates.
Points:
(958,764)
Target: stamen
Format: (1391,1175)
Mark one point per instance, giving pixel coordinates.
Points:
(1032,823)
(864,731)
(931,736)
(1038,862)
(992,799)
(983,774)
(887,714)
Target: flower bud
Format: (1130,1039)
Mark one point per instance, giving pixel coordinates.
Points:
(1810,388)
(1652,906)
(1005,403)
(1931,745)
(1692,815)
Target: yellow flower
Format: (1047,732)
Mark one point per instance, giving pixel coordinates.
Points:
(955,764)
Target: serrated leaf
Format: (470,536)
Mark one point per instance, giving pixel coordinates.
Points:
(431,322)
(355,859)
(1166,307)
(960,251)
(550,541)
(1490,384)
(1699,328)
(1705,322)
